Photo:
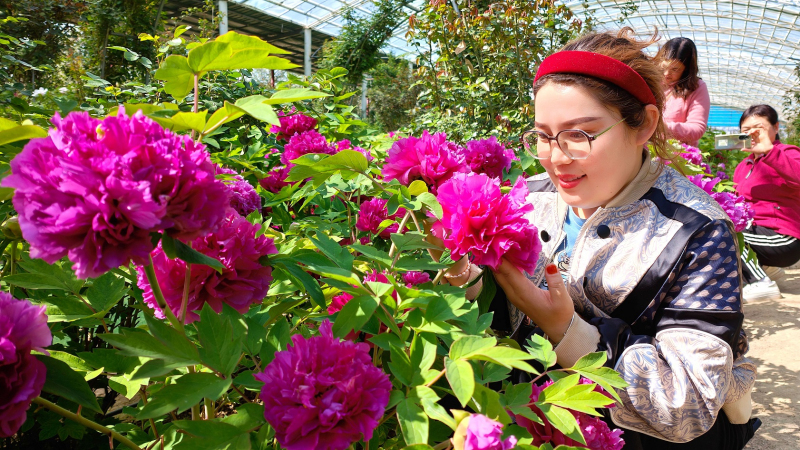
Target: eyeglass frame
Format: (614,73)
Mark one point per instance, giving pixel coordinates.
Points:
(589,137)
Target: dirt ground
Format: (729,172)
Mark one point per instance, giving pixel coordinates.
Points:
(774,331)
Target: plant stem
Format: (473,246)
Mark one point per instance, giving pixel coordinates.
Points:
(210,410)
(438,277)
(151,278)
(436,378)
(400,229)
(185,299)
(85,422)
(143,390)
(195,407)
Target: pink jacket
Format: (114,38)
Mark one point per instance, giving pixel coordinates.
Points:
(772,184)
(687,118)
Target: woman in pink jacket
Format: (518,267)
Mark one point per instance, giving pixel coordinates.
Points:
(687,106)
(769,178)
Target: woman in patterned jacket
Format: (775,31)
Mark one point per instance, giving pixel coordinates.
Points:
(640,263)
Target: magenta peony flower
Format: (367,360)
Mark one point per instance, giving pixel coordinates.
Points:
(738,209)
(244,198)
(304,143)
(706,184)
(323,393)
(293,124)
(722,175)
(23,327)
(488,156)
(373,212)
(430,158)
(595,431)
(95,189)
(338,302)
(244,282)
(479,219)
(483,433)
(692,154)
(273,182)
(415,278)
(345,145)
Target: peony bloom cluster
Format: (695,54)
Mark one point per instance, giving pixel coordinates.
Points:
(243,282)
(323,393)
(292,124)
(488,156)
(244,198)
(595,431)
(274,181)
(692,154)
(95,189)
(478,432)
(479,219)
(430,158)
(735,206)
(414,278)
(23,327)
(372,213)
(304,143)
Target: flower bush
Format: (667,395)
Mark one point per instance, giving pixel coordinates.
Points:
(208,285)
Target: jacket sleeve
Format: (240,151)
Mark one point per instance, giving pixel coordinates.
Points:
(698,105)
(680,378)
(787,164)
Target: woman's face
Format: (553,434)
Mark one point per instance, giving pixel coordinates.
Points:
(673,71)
(762,125)
(615,156)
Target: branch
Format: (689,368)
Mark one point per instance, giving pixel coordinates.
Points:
(85,422)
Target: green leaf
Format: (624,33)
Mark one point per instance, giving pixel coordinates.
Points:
(469,345)
(227,113)
(172,338)
(354,315)
(542,350)
(487,402)
(487,293)
(417,187)
(413,422)
(178,75)
(125,386)
(563,420)
(411,240)
(591,361)
(106,292)
(186,121)
(373,254)
(256,106)
(607,378)
(506,357)
(211,435)
(21,133)
(462,379)
(221,342)
(34,281)
(188,390)
(294,95)
(338,254)
(177,249)
(247,417)
(74,362)
(433,205)
(63,381)
(132,342)
(518,394)
(233,51)
(309,283)
(400,365)
(412,262)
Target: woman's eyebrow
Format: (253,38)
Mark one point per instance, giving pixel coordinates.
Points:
(573,122)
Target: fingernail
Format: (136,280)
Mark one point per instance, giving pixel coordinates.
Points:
(552,269)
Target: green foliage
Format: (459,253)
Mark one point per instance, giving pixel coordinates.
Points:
(392,94)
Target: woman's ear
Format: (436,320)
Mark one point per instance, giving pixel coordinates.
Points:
(644,133)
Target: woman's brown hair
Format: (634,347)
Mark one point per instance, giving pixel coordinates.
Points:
(624,47)
(682,49)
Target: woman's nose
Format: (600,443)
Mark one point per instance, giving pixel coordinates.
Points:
(557,155)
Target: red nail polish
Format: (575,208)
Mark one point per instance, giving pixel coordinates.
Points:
(552,269)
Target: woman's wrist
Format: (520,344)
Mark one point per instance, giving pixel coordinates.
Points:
(459,272)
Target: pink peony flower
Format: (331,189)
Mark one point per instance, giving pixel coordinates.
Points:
(595,431)
(479,219)
(323,393)
(482,433)
(273,182)
(488,156)
(430,158)
(706,184)
(722,175)
(738,209)
(95,189)
(372,213)
(243,282)
(338,302)
(293,124)
(692,154)
(345,145)
(415,278)
(244,198)
(23,327)
(304,143)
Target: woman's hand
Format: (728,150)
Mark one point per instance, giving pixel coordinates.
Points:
(761,142)
(551,310)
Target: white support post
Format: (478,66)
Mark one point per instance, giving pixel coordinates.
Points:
(307,53)
(364,97)
(223,11)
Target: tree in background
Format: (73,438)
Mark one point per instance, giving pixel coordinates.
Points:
(391,94)
(477,61)
(791,123)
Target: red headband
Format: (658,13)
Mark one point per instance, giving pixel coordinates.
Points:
(598,66)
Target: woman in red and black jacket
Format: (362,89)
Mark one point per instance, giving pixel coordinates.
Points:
(769,178)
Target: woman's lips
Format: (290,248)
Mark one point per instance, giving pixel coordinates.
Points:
(570,181)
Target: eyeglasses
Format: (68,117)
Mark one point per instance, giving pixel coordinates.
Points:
(576,144)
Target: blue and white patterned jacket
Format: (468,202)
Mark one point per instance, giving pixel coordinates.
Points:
(655,280)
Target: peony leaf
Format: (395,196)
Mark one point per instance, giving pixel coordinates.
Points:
(177,249)
(432,203)
(505,356)
(354,315)
(411,240)
(178,75)
(373,254)
(63,381)
(233,51)
(487,402)
(34,281)
(591,361)
(417,187)
(135,342)
(220,339)
(542,350)
(188,390)
(518,395)
(412,262)
(106,292)
(488,291)
(413,422)
(469,345)
(462,379)
(308,282)
(248,417)
(256,106)
(338,254)
(227,113)
(607,378)
(21,133)
(563,420)
(294,95)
